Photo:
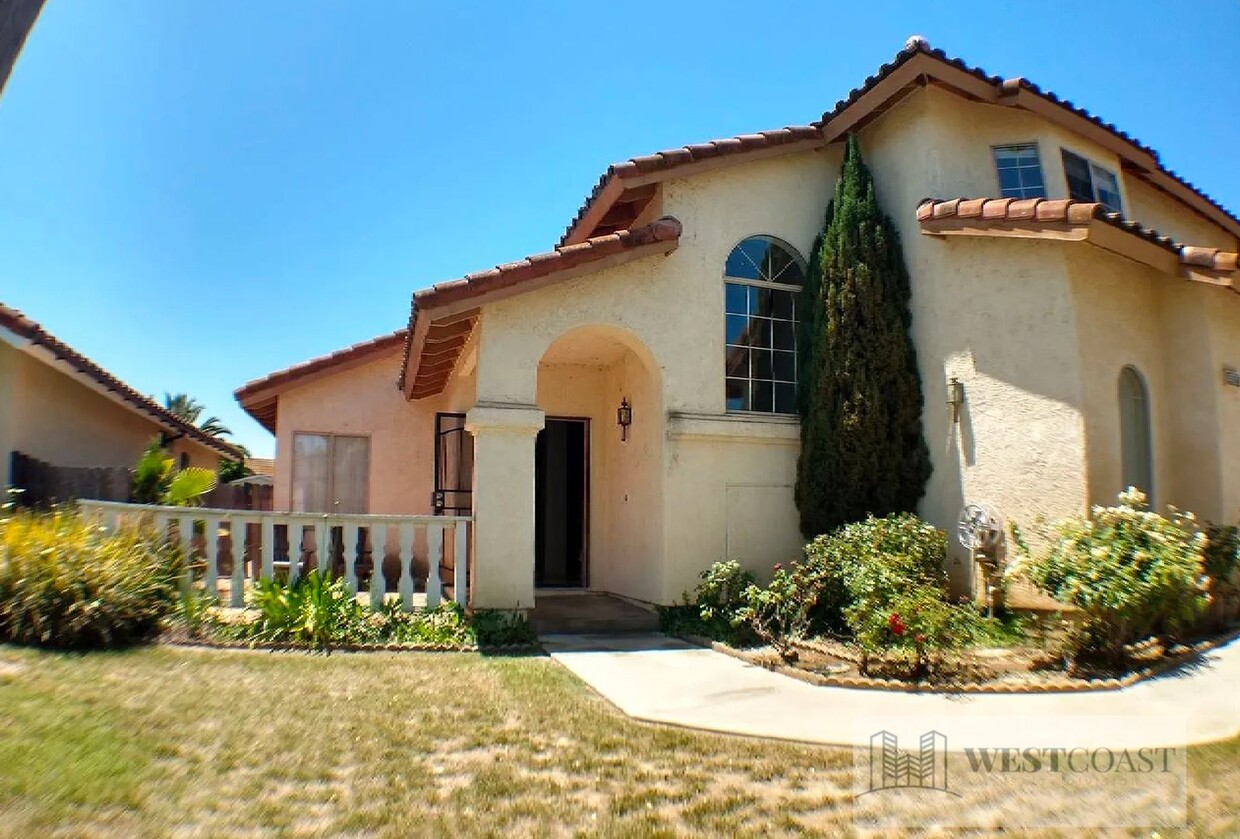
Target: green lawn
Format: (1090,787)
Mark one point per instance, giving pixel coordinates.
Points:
(165,740)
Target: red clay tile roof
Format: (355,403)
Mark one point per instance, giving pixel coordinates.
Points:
(1001,211)
(789,138)
(450,307)
(258,398)
(264,466)
(914,66)
(1032,214)
(19,324)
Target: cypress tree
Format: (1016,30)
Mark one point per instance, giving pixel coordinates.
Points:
(862,447)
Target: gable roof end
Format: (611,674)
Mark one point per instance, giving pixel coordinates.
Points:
(915,66)
(442,317)
(86,370)
(259,397)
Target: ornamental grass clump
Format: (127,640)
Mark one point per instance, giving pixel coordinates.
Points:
(66,583)
(1130,571)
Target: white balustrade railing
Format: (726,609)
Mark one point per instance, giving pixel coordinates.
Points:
(304,534)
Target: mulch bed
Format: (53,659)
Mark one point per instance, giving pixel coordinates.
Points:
(996,670)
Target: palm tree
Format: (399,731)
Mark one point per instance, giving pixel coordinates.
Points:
(189,409)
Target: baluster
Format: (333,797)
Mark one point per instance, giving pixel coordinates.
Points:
(268,535)
(350,551)
(186,527)
(294,551)
(406,567)
(460,562)
(237,533)
(378,549)
(434,551)
(322,543)
(211,533)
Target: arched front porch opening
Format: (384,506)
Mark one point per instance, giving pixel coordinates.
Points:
(598,482)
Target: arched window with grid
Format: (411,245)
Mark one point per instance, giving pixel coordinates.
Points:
(763,277)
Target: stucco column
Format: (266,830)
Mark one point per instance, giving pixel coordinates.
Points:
(504,437)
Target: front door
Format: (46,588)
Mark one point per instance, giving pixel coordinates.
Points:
(561,482)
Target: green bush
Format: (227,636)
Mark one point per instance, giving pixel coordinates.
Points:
(878,582)
(714,609)
(313,610)
(811,597)
(1131,572)
(1222,552)
(320,612)
(65,583)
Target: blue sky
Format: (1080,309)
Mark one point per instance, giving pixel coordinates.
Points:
(196,194)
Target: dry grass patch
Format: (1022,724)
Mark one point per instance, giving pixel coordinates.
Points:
(168,741)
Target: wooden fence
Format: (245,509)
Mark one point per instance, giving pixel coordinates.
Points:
(42,483)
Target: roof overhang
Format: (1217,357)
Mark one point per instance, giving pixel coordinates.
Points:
(1066,220)
(443,317)
(260,397)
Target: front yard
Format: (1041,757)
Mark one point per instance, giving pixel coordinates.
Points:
(164,740)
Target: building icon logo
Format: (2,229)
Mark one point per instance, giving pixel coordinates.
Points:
(925,768)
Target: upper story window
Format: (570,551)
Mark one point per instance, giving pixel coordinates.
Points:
(1087,181)
(1020,171)
(330,473)
(762,280)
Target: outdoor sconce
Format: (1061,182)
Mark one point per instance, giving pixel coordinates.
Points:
(955,399)
(624,418)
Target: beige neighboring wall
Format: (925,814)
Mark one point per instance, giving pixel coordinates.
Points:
(363,400)
(59,419)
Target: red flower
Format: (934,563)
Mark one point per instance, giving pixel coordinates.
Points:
(896,624)
(919,638)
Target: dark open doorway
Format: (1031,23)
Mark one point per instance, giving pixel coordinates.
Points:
(561,487)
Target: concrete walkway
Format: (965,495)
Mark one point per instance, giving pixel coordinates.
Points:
(659,679)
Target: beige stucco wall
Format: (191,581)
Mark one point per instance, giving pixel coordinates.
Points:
(998,315)
(1155,208)
(672,307)
(364,401)
(53,416)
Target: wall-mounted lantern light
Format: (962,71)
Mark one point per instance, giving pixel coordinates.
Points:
(955,399)
(624,418)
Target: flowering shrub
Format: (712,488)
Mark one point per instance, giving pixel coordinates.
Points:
(714,609)
(879,582)
(1131,572)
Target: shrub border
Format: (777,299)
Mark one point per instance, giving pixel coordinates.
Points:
(872,683)
(390,647)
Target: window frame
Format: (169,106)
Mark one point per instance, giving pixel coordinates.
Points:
(795,321)
(331,459)
(1037,150)
(1091,165)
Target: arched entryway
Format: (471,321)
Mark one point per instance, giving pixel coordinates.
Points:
(598,483)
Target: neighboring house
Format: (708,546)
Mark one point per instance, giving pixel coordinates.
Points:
(1093,353)
(17,18)
(58,406)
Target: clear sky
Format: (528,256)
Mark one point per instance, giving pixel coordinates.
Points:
(198,193)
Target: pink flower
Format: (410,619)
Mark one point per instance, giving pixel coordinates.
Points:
(779,566)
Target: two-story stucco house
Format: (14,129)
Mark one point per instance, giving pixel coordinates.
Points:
(618,413)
